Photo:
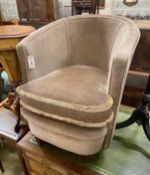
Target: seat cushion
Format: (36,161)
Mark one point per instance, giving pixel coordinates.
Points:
(74,94)
(76,139)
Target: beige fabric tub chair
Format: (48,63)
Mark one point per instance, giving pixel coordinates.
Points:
(72,94)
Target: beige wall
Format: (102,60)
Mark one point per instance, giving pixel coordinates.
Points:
(63,11)
(9,9)
(109,5)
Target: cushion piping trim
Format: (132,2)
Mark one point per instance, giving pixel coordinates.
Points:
(79,107)
(68,120)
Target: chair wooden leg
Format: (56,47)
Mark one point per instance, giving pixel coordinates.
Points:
(1,166)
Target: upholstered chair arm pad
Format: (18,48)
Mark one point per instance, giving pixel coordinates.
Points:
(48,47)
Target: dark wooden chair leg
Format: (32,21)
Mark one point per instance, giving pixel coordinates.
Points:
(1,84)
(1,166)
(13,104)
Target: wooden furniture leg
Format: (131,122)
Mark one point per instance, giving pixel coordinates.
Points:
(1,166)
(13,104)
(10,36)
(141,114)
(1,84)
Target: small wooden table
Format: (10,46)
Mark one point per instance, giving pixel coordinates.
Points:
(10,36)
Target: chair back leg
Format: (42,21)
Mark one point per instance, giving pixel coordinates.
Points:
(1,166)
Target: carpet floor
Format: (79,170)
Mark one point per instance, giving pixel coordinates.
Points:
(10,160)
(129,154)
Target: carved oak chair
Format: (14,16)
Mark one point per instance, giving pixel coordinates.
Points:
(74,71)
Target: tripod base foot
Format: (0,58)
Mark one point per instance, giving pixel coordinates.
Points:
(133,118)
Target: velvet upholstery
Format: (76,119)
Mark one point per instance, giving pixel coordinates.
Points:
(81,64)
(80,140)
(85,102)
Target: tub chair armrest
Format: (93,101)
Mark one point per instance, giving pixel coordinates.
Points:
(119,72)
(48,49)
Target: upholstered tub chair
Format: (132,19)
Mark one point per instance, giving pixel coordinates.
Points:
(74,71)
